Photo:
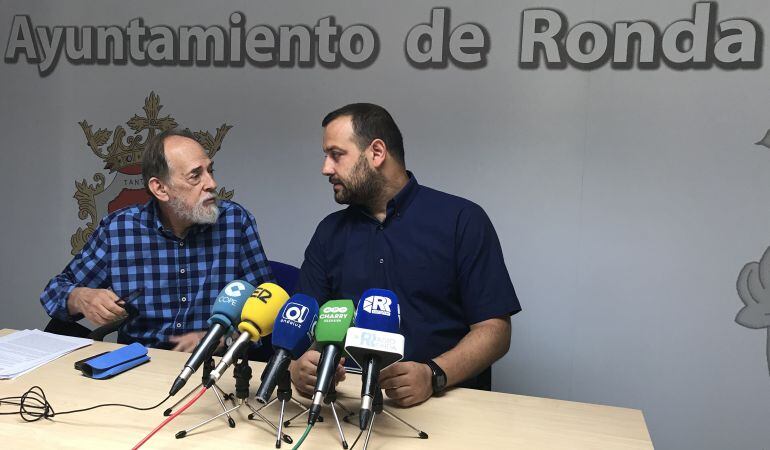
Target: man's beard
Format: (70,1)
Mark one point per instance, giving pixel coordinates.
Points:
(199,213)
(363,186)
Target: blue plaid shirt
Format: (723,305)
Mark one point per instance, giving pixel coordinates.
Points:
(180,278)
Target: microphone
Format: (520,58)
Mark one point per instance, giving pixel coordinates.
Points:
(225,312)
(333,323)
(292,336)
(374,343)
(257,320)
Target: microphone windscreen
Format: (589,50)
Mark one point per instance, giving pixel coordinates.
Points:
(295,324)
(229,303)
(261,309)
(378,310)
(334,319)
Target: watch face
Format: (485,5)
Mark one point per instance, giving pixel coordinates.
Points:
(438,380)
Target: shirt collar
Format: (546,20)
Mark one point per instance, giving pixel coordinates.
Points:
(401,201)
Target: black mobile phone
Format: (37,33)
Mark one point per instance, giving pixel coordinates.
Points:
(79,364)
(132,296)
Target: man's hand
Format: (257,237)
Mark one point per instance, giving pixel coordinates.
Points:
(186,342)
(303,372)
(98,305)
(407,383)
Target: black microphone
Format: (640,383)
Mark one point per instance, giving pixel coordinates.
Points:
(292,336)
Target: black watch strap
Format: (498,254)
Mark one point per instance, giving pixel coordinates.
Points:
(438,379)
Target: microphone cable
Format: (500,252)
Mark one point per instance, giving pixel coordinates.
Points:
(302,438)
(33,406)
(170,418)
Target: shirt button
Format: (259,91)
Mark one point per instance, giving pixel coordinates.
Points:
(184,299)
(179,325)
(181,244)
(182,271)
(379,227)
(382,260)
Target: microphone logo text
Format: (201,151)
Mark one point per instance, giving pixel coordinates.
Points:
(376,304)
(235,289)
(334,312)
(228,300)
(380,341)
(295,312)
(262,295)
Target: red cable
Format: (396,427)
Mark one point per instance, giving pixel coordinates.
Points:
(163,424)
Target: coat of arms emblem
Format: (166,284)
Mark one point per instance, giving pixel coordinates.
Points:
(123,157)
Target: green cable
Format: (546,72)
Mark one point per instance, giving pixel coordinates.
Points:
(302,439)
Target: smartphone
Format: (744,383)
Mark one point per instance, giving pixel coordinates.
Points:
(132,296)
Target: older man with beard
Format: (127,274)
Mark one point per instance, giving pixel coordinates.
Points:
(177,252)
(439,253)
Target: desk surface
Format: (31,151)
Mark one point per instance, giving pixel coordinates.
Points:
(460,419)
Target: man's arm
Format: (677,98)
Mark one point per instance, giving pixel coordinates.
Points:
(488,300)
(80,290)
(409,383)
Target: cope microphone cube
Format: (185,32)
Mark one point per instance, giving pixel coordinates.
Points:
(228,305)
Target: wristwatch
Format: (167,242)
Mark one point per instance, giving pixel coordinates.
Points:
(438,379)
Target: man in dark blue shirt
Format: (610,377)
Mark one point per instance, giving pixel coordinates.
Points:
(439,253)
(179,250)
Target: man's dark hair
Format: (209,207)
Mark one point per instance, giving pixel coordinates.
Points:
(154,162)
(371,122)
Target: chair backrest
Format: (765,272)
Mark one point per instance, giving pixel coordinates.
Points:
(75,329)
(285,275)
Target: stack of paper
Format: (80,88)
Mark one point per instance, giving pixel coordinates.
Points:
(26,350)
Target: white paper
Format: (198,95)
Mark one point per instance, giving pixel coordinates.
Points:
(26,350)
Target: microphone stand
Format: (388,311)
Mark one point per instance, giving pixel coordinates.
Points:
(377,408)
(208,366)
(284,395)
(331,400)
(242,374)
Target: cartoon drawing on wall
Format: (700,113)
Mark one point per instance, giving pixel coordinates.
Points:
(124,158)
(754,290)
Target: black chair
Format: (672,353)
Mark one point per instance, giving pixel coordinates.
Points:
(75,329)
(285,275)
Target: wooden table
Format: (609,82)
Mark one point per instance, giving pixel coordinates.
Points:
(460,419)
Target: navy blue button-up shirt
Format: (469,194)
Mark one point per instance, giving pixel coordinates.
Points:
(439,253)
(179,277)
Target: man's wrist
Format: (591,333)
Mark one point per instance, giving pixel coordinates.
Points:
(73,303)
(438,377)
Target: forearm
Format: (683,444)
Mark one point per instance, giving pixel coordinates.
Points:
(486,342)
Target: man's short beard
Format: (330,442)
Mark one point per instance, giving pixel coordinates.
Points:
(363,186)
(200,213)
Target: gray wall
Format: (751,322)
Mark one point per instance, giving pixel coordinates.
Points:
(626,201)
